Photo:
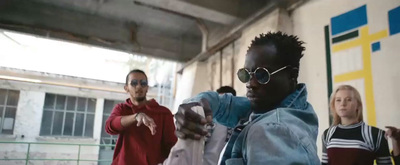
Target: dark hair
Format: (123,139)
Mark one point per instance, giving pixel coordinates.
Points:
(289,47)
(134,71)
(227,89)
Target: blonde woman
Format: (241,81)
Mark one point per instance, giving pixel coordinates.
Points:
(349,141)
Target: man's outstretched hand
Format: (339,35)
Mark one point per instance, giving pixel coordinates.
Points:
(142,118)
(189,124)
(393,133)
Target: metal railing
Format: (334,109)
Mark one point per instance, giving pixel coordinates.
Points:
(27,159)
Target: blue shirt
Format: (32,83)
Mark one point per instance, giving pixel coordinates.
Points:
(284,135)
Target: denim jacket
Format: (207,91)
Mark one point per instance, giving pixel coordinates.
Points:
(284,135)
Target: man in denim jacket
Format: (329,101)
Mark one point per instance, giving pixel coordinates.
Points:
(282,126)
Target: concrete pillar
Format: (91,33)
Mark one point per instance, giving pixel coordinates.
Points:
(193,80)
(29,115)
(98,119)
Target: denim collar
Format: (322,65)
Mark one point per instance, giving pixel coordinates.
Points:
(296,100)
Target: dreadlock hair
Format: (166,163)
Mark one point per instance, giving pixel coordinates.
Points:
(288,47)
(227,89)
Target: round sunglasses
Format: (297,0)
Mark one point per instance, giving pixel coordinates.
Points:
(142,83)
(261,74)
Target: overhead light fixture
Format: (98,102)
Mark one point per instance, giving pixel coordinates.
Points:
(20,79)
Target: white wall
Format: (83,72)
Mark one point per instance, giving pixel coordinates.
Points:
(309,21)
(192,81)
(185,83)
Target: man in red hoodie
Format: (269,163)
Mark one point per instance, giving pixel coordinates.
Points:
(146,129)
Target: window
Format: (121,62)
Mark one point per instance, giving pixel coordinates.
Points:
(68,116)
(8,110)
(108,107)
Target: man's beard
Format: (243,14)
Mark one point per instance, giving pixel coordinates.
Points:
(140,99)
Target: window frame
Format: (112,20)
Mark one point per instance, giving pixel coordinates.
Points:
(65,111)
(4,107)
(105,116)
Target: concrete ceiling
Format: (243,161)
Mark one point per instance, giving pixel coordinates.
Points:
(165,29)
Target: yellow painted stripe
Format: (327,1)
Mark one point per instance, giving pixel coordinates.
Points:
(346,45)
(349,76)
(368,81)
(370,101)
(378,35)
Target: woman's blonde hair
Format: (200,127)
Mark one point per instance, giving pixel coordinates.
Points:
(336,118)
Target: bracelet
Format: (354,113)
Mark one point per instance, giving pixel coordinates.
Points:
(137,115)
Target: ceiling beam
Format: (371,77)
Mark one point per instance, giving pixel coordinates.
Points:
(58,23)
(190,10)
(231,36)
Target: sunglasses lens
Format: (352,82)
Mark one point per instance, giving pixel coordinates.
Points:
(262,76)
(243,75)
(134,83)
(143,82)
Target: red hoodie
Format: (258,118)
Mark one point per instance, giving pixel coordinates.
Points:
(136,145)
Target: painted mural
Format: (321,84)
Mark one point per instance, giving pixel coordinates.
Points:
(349,47)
